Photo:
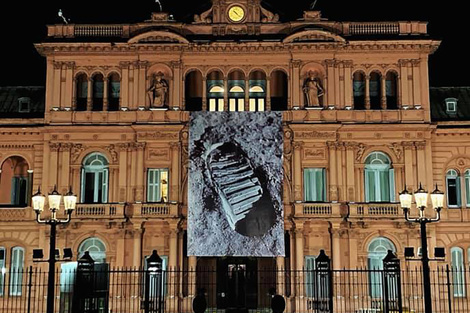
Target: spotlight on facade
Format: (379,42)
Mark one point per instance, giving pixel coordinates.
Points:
(38,254)
(124,109)
(141,108)
(68,254)
(409,252)
(439,252)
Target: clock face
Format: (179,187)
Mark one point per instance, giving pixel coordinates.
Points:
(236,13)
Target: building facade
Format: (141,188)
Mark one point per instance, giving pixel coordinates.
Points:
(359,126)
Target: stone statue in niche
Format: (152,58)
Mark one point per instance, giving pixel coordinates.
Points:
(158,91)
(313,89)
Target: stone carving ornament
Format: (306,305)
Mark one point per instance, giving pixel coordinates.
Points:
(158,91)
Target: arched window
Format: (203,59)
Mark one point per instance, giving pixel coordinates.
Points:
(114,92)
(236,91)
(95,174)
(391,87)
(453,188)
(375,91)
(15,183)
(193,91)
(379,178)
(95,247)
(359,90)
(215,91)
(467,188)
(257,90)
(16,270)
(98,92)
(279,91)
(378,249)
(81,90)
(458,271)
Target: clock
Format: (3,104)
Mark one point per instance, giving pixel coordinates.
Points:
(236,13)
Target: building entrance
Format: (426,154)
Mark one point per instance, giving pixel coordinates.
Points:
(237,284)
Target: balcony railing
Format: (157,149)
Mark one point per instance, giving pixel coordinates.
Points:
(101,211)
(375,210)
(317,210)
(148,210)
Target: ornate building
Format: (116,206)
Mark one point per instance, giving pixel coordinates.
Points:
(359,126)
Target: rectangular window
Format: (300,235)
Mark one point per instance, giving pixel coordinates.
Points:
(16,276)
(453,191)
(212,107)
(241,105)
(2,269)
(314,185)
(157,185)
(252,105)
(458,272)
(233,105)
(221,105)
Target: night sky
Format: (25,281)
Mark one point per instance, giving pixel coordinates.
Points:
(25,23)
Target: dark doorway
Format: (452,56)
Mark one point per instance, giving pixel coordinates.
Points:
(237,284)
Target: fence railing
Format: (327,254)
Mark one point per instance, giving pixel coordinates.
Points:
(125,290)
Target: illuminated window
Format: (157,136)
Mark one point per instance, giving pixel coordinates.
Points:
(451,106)
(2,269)
(95,247)
(216,99)
(157,185)
(378,249)
(314,185)
(458,271)
(17,266)
(379,178)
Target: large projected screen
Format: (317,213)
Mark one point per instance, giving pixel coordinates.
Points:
(235,184)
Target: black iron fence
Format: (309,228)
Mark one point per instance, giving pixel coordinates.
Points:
(110,290)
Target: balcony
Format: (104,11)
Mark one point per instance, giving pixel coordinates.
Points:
(375,210)
(317,210)
(155,210)
(100,211)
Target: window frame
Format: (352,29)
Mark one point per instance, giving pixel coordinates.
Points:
(380,193)
(101,172)
(375,273)
(310,275)
(458,269)
(451,102)
(100,256)
(16,271)
(3,270)
(458,193)
(157,188)
(316,170)
(24,101)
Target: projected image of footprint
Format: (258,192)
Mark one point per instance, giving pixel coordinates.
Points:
(244,198)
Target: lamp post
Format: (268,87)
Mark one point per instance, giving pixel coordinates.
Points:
(54,199)
(421,199)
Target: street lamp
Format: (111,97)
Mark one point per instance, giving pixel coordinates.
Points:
(54,199)
(421,199)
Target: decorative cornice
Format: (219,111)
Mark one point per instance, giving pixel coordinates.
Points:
(16,147)
(158,135)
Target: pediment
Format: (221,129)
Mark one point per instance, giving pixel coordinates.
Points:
(314,36)
(157,36)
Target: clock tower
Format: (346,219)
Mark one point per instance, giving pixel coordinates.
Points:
(236,12)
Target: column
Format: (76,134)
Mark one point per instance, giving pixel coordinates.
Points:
(124,84)
(367,92)
(337,83)
(410,83)
(53,163)
(399,178)
(122,172)
(299,267)
(90,94)
(342,87)
(45,170)
(247,94)
(383,86)
(336,245)
(403,82)
(296,87)
(137,242)
(134,84)
(140,172)
(115,183)
(281,278)
(226,107)
(330,70)
(76,180)
(174,182)
(421,164)
(409,177)
(177,90)
(416,82)
(65,167)
(105,93)
(142,85)
(348,81)
(56,85)
(74,94)
(350,180)
(297,174)
(268,93)
(69,85)
(340,171)
(173,262)
(192,265)
(204,93)
(333,190)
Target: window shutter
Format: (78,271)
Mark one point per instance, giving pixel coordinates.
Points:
(391,177)
(82,185)
(105,185)
(324,184)
(458,192)
(370,185)
(467,189)
(308,188)
(310,275)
